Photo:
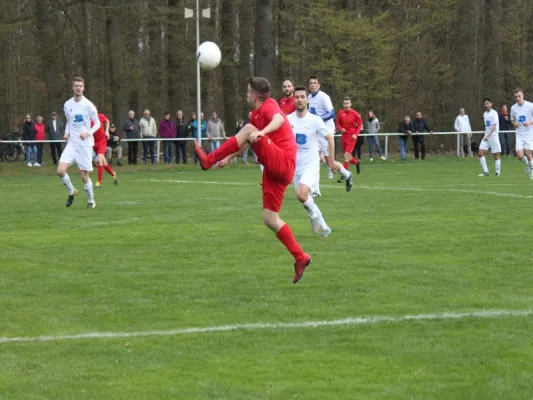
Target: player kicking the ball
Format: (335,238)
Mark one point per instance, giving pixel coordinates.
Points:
(308,130)
(270,135)
(79,112)
(522,119)
(491,140)
(100,148)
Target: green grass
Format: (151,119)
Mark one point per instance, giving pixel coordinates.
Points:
(411,238)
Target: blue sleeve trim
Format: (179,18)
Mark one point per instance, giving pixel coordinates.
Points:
(329,115)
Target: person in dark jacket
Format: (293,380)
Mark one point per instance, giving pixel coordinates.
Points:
(28,133)
(406,129)
(182,132)
(505,125)
(167,130)
(55,131)
(133,131)
(113,145)
(420,126)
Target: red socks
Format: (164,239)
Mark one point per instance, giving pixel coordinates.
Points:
(286,237)
(109,170)
(346,164)
(354,161)
(100,173)
(229,147)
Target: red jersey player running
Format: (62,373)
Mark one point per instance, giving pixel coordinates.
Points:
(270,134)
(349,123)
(100,147)
(286,103)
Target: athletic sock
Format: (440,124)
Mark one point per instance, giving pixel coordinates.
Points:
(531,168)
(484,167)
(261,167)
(354,161)
(100,173)
(89,190)
(286,237)
(229,147)
(311,207)
(498,166)
(322,221)
(68,184)
(344,172)
(346,165)
(109,170)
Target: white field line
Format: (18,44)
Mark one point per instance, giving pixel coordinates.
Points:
(364,187)
(485,314)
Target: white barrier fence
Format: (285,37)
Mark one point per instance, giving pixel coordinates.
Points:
(158,140)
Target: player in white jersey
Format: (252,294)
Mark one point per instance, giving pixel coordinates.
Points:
(309,129)
(79,112)
(522,120)
(490,140)
(320,104)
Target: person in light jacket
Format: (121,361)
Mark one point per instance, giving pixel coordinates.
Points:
(215,130)
(148,128)
(462,124)
(372,128)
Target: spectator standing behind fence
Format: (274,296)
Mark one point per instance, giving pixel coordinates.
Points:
(372,128)
(54,131)
(182,132)
(420,126)
(215,129)
(406,130)
(148,128)
(462,125)
(113,145)
(167,130)
(505,125)
(28,133)
(132,130)
(39,135)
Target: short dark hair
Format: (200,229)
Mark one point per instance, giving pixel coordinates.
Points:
(300,89)
(166,113)
(518,89)
(313,77)
(260,86)
(288,79)
(346,98)
(78,79)
(487,99)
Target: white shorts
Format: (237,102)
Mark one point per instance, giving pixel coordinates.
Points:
(309,177)
(493,144)
(79,155)
(524,143)
(323,145)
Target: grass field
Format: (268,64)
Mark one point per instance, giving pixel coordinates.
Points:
(173,248)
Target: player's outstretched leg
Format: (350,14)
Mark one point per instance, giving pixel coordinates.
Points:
(285,236)
(303,195)
(65,179)
(347,175)
(230,146)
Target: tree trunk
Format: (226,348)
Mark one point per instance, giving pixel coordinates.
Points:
(229,35)
(264,40)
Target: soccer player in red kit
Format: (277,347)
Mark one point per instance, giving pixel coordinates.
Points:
(271,137)
(349,123)
(286,103)
(100,147)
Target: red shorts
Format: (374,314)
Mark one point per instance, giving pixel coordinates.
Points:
(100,146)
(348,144)
(277,174)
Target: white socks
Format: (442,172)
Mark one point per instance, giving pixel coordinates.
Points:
(262,168)
(498,166)
(89,190)
(322,222)
(68,184)
(484,167)
(344,172)
(311,207)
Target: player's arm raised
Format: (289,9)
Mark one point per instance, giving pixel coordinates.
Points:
(277,121)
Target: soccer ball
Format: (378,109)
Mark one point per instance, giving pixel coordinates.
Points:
(208,55)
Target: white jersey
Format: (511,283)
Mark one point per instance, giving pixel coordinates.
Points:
(320,104)
(307,130)
(79,115)
(491,118)
(521,114)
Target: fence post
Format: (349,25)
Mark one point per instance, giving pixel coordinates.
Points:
(458,145)
(158,151)
(387,146)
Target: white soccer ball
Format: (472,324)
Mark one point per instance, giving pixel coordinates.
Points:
(208,55)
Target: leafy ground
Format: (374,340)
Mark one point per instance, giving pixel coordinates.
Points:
(174,248)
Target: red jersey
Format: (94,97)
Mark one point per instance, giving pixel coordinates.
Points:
(100,133)
(283,137)
(349,120)
(287,105)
